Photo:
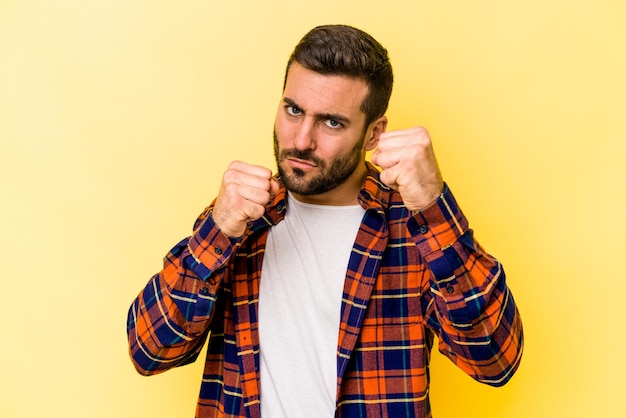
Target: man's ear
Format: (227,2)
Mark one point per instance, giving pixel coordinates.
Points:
(376,128)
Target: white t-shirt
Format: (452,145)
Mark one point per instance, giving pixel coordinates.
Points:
(302,281)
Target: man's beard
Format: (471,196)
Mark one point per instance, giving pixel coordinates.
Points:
(331,176)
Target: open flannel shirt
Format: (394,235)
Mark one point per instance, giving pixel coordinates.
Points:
(411,277)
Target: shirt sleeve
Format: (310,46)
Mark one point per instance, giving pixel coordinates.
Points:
(467,302)
(169,320)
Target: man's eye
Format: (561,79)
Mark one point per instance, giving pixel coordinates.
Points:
(331,123)
(293,110)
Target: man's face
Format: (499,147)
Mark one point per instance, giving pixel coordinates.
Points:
(319,133)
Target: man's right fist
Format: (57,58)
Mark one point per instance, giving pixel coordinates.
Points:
(243,194)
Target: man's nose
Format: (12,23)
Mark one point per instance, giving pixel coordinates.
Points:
(304,136)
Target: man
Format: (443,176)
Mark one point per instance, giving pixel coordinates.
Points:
(321,290)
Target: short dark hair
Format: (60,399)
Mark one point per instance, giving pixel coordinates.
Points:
(345,50)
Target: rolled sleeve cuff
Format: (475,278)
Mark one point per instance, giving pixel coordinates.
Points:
(210,249)
(443,237)
(439,225)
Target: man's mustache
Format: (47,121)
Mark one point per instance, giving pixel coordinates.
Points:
(306,155)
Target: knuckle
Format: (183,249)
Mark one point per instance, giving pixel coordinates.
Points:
(420,130)
(266,173)
(229,187)
(256,211)
(234,165)
(231,175)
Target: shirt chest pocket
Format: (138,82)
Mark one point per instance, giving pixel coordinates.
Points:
(395,300)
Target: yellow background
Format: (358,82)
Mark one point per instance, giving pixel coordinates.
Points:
(117,119)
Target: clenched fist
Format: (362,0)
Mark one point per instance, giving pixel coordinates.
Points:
(409,166)
(243,194)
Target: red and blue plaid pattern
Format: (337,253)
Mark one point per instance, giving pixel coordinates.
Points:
(411,277)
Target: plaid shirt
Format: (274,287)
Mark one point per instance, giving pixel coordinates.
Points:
(411,277)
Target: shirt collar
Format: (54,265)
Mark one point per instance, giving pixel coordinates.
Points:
(374,194)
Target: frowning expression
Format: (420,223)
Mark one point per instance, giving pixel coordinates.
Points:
(320,133)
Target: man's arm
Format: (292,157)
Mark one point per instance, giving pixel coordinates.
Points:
(169,320)
(466,301)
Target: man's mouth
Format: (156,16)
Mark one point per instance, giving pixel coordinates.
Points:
(301,163)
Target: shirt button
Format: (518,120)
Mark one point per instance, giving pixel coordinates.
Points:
(450,289)
(218,251)
(204,291)
(423,229)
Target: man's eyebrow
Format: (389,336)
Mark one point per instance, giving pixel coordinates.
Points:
(325,116)
(290,102)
